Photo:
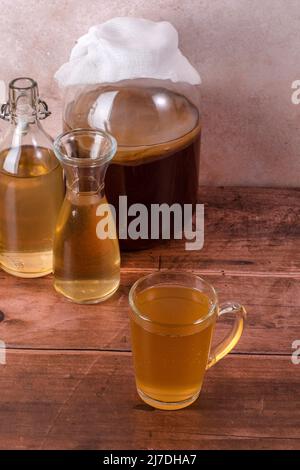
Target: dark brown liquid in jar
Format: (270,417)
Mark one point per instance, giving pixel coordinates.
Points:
(158,134)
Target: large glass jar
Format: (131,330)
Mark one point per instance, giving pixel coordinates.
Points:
(158,129)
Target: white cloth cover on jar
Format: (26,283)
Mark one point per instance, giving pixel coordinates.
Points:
(127,48)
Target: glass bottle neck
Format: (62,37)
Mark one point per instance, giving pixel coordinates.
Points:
(23,100)
(23,117)
(24,105)
(85,155)
(85,180)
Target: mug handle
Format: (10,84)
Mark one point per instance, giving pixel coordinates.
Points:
(232,338)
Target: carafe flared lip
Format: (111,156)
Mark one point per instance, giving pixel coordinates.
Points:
(100,157)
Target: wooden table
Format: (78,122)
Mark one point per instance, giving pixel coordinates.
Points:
(68,381)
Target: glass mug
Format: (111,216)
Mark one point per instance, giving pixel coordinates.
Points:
(172,318)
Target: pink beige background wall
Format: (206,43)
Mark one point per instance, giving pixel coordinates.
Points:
(248,54)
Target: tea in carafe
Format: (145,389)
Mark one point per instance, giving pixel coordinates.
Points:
(94,271)
(31,185)
(86,258)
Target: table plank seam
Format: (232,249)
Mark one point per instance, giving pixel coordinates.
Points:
(241,436)
(222,272)
(128,351)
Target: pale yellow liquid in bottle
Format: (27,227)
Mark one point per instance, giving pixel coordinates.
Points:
(29,205)
(86,268)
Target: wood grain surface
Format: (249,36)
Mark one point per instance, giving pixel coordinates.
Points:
(87,400)
(50,321)
(247,231)
(68,381)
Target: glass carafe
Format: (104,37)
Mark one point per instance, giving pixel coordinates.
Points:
(31,184)
(86,248)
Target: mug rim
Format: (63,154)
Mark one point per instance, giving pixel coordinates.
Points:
(166,273)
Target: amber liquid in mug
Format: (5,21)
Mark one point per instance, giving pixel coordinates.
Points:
(85,266)
(29,205)
(170,353)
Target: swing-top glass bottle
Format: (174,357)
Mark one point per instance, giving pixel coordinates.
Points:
(31,184)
